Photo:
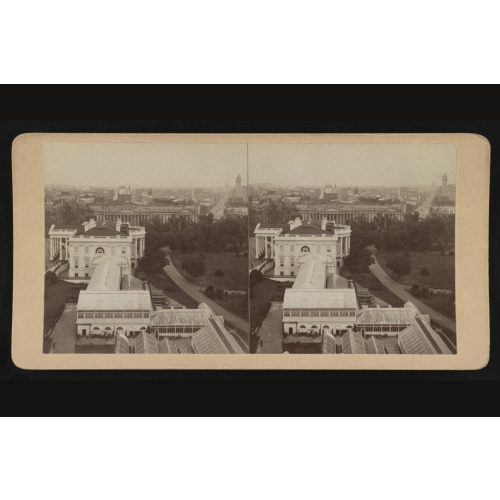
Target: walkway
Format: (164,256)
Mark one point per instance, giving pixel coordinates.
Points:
(271,331)
(64,333)
(399,290)
(242,326)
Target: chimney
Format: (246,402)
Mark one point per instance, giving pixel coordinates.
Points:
(118,224)
(92,223)
(295,223)
(323,224)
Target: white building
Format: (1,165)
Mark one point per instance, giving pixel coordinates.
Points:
(112,303)
(287,244)
(85,245)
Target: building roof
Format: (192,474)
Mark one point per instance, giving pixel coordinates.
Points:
(106,276)
(122,300)
(384,316)
(146,343)
(374,346)
(312,273)
(121,344)
(167,317)
(77,228)
(328,298)
(336,281)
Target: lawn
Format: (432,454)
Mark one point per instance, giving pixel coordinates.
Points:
(163,282)
(260,298)
(235,270)
(441,269)
(237,304)
(55,298)
(367,280)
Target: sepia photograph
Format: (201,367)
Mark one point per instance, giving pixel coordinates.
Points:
(146,248)
(273,248)
(352,248)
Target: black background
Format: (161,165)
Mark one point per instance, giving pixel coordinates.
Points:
(192,109)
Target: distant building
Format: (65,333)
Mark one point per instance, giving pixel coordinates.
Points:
(139,214)
(239,194)
(346,213)
(446,194)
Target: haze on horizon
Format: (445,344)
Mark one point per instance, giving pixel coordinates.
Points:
(364,165)
(155,165)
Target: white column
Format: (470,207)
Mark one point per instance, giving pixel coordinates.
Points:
(50,248)
(256,247)
(266,247)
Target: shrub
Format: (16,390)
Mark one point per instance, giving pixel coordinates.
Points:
(415,291)
(424,292)
(219,294)
(195,266)
(219,272)
(424,271)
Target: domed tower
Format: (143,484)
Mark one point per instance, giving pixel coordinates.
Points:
(445,180)
(238,182)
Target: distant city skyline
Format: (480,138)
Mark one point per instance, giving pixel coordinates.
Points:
(363,165)
(156,165)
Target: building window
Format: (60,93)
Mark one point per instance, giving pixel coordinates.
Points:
(87,261)
(127,315)
(76,262)
(145,315)
(292,273)
(137,315)
(113,250)
(123,250)
(305,249)
(86,249)
(281,248)
(75,249)
(282,273)
(98,315)
(86,275)
(282,261)
(118,315)
(329,248)
(89,314)
(76,275)
(80,315)
(292,248)
(292,262)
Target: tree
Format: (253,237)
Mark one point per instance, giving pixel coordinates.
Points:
(219,272)
(219,294)
(194,266)
(399,264)
(358,260)
(415,291)
(255,277)
(424,271)
(153,261)
(50,278)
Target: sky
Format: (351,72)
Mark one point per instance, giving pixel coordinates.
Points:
(144,165)
(173,165)
(351,164)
